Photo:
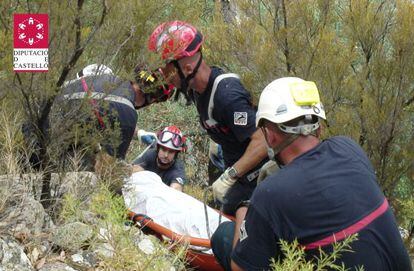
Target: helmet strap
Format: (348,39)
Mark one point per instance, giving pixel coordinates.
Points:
(273,152)
(304,127)
(186,80)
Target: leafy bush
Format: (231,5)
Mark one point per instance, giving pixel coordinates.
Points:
(294,259)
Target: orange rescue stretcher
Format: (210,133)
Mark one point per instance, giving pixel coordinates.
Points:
(196,259)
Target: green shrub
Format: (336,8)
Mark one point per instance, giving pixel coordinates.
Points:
(294,259)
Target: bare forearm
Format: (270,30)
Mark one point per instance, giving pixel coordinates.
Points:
(254,154)
(240,215)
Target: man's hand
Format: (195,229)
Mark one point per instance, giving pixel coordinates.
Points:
(222,185)
(146,137)
(267,169)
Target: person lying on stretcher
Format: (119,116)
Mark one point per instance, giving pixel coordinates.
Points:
(145,193)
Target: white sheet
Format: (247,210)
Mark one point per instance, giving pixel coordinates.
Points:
(145,193)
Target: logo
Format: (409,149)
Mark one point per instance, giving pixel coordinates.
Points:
(240,118)
(282,109)
(243,232)
(30,39)
(316,110)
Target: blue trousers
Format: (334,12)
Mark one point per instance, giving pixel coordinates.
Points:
(221,244)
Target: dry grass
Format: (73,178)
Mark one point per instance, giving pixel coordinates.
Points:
(10,142)
(14,186)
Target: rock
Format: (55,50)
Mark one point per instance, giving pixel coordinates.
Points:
(146,246)
(72,236)
(104,234)
(20,185)
(84,259)
(48,224)
(37,251)
(104,250)
(21,215)
(57,266)
(89,217)
(31,218)
(77,258)
(81,184)
(12,256)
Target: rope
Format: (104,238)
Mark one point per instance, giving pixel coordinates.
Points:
(206,189)
(206,212)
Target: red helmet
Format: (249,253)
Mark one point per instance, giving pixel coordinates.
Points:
(172,138)
(175,40)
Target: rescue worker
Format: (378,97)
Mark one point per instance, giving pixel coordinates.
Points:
(163,157)
(224,106)
(99,101)
(324,192)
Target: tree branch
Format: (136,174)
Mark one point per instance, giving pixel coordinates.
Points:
(26,98)
(324,22)
(4,24)
(78,48)
(408,102)
(131,34)
(286,43)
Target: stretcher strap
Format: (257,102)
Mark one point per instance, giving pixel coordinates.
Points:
(354,228)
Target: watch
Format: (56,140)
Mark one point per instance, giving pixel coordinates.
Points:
(232,173)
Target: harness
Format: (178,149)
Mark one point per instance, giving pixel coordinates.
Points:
(93,103)
(354,228)
(211,121)
(97,96)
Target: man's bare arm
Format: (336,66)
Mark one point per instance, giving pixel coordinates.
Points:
(240,215)
(256,151)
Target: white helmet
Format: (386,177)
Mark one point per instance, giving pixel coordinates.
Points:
(172,138)
(288,98)
(94,69)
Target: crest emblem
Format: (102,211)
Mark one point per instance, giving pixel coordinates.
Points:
(240,118)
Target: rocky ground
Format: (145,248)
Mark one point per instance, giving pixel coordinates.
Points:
(31,240)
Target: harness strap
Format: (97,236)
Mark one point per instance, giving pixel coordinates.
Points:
(99,96)
(211,121)
(87,92)
(356,227)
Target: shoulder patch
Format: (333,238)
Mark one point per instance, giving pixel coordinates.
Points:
(240,118)
(243,232)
